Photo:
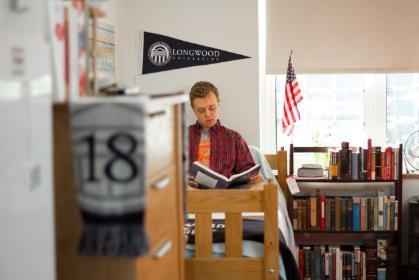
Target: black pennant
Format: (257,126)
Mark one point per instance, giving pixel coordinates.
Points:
(162,53)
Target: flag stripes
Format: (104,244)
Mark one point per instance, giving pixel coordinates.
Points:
(293,96)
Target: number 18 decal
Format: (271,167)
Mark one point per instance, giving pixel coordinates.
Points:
(118,154)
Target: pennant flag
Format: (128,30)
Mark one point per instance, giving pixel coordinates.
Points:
(162,53)
(293,96)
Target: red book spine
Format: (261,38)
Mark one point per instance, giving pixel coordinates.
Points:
(323,213)
(389,163)
(383,170)
(66,56)
(369,159)
(301,262)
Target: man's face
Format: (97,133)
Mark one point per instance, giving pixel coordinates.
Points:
(206,110)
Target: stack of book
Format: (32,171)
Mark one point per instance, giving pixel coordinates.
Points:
(311,170)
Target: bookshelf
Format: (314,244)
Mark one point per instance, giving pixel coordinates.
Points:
(311,212)
(413,239)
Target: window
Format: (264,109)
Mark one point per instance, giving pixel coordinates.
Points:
(349,107)
(332,110)
(402,106)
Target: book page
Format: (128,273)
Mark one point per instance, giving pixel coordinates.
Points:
(205,180)
(210,178)
(197,165)
(245,173)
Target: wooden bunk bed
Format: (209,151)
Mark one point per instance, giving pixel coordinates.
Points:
(255,198)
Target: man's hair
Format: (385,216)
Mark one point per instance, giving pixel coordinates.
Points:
(202,89)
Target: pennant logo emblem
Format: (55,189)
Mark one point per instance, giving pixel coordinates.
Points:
(159,54)
(162,53)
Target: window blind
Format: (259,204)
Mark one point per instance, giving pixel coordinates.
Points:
(333,36)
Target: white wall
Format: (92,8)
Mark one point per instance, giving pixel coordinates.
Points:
(228,25)
(26,205)
(26,217)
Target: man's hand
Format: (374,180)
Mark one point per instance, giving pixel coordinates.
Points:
(255,179)
(192,182)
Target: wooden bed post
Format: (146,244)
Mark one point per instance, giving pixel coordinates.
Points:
(282,171)
(271,239)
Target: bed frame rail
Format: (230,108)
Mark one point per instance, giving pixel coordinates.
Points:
(262,198)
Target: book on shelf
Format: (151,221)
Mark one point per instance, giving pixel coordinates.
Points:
(388,163)
(338,201)
(208,178)
(346,261)
(369,158)
(311,170)
(363,221)
(356,214)
(313,213)
(101,37)
(371,259)
(57,37)
(301,263)
(67,32)
(372,163)
(381,273)
(380,195)
(378,163)
(355,166)
(343,209)
(344,161)
(344,213)
(382,246)
(349,214)
(333,168)
(322,208)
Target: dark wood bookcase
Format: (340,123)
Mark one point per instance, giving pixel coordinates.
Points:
(413,239)
(360,188)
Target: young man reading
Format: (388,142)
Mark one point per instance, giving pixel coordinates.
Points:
(213,145)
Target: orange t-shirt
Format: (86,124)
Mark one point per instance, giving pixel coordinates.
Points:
(204,150)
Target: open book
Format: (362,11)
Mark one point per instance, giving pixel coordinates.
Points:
(208,178)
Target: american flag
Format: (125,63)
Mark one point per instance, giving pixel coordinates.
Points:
(293,96)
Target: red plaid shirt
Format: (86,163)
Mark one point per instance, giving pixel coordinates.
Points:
(229,152)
